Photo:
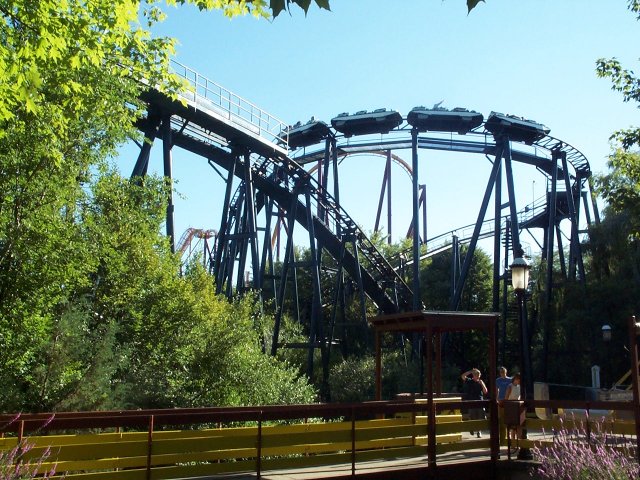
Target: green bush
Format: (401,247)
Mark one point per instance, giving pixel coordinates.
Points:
(353,380)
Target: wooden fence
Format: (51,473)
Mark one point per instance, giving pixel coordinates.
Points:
(181,443)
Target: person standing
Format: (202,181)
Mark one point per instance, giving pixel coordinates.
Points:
(502,383)
(474,389)
(513,393)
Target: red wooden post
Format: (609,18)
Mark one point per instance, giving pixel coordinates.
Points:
(493,407)
(431,423)
(353,442)
(149,446)
(259,449)
(378,367)
(438,351)
(633,344)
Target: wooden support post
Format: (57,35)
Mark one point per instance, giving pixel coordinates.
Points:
(259,449)
(353,442)
(149,446)
(633,344)
(378,367)
(493,407)
(438,363)
(431,422)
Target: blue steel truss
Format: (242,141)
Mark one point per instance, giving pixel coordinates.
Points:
(252,145)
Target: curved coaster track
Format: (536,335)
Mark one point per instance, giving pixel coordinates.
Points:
(277,192)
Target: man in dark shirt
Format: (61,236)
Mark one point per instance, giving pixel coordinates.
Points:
(474,389)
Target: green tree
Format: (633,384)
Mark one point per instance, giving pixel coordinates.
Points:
(435,282)
(620,188)
(78,248)
(136,334)
(623,81)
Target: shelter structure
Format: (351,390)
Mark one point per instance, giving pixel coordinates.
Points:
(432,324)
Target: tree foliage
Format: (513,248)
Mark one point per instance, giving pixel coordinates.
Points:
(92,311)
(613,264)
(471,4)
(623,80)
(620,188)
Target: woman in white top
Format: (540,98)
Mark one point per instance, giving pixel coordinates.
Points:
(513,390)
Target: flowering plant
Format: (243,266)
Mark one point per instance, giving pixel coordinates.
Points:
(14,464)
(579,454)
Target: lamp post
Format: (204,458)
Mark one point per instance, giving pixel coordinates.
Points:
(606,338)
(519,281)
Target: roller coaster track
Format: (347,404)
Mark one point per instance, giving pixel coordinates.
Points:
(477,141)
(230,132)
(220,126)
(190,234)
(376,272)
(442,242)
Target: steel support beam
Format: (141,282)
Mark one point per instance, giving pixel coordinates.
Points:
(587,212)
(288,259)
(383,189)
(363,306)
(455,303)
(561,256)
(252,227)
(150,133)
(497,230)
(423,202)
(336,183)
(549,242)
(315,327)
(516,246)
(505,291)
(167,144)
(552,203)
(417,302)
(575,260)
(232,249)
(455,265)
(594,202)
(222,232)
(267,250)
(389,204)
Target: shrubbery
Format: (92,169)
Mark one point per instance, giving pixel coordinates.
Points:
(353,380)
(576,455)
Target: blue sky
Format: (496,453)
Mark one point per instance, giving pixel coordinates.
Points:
(532,58)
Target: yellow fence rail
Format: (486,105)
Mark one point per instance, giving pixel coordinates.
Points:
(209,451)
(167,444)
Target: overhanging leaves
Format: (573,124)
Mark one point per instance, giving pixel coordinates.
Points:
(277,6)
(471,4)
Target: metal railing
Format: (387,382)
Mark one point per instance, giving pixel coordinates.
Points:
(211,97)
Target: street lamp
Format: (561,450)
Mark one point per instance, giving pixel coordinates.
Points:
(606,333)
(520,275)
(520,281)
